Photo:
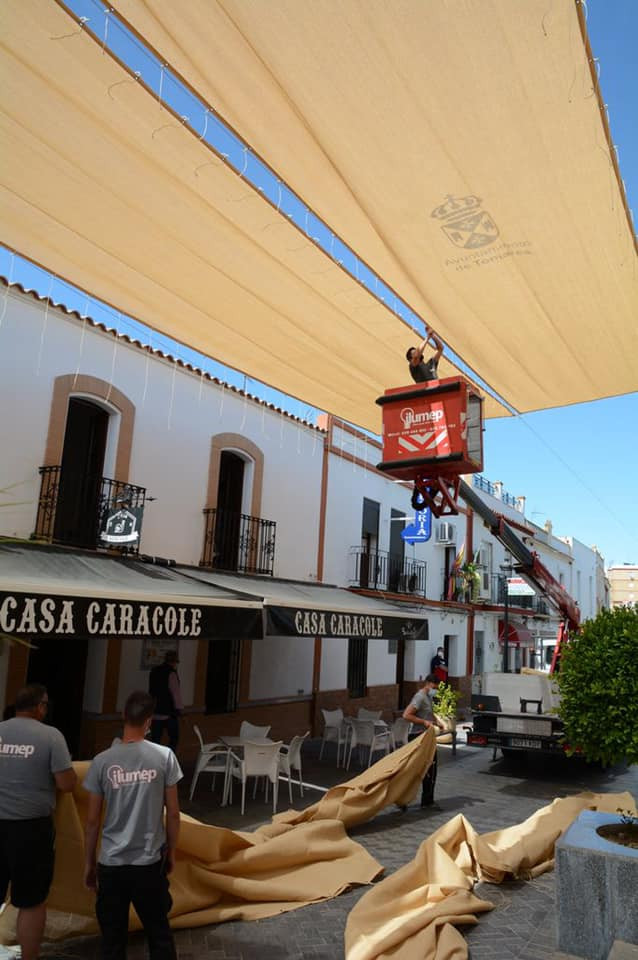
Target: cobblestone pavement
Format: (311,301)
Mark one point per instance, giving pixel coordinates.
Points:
(490,794)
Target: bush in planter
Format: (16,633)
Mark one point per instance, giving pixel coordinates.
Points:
(598,683)
(445,703)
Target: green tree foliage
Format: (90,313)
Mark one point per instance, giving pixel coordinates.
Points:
(598,682)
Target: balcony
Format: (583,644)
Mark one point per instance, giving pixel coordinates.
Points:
(235,541)
(496,594)
(380,570)
(76,510)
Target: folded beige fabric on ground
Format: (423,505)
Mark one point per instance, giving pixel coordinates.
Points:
(223,874)
(413,914)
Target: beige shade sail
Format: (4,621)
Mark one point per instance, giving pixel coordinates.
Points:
(460,148)
(108,190)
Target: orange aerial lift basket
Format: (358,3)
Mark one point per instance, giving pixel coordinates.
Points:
(432,434)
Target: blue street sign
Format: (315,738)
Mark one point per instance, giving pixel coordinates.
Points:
(421,530)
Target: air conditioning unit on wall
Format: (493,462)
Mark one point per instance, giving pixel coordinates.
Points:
(446,533)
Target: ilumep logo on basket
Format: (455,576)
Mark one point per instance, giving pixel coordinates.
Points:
(119,777)
(464,223)
(16,749)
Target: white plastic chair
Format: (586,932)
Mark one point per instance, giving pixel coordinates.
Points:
(290,759)
(363,734)
(212,758)
(334,731)
(399,732)
(259,760)
(363,714)
(248,731)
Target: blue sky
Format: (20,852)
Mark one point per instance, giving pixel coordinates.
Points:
(576,466)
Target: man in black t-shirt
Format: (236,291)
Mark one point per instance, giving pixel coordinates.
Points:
(164,687)
(420,371)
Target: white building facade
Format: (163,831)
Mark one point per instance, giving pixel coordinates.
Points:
(247,512)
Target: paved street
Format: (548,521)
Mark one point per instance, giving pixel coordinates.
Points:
(490,794)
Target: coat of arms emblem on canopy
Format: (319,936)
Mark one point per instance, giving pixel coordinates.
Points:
(465,223)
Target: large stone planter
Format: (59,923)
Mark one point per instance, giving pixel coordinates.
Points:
(596,889)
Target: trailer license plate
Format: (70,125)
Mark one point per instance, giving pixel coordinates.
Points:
(524,742)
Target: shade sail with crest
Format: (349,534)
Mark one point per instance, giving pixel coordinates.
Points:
(460,148)
(103,189)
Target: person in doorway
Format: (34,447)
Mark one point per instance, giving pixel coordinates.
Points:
(420,371)
(163,686)
(136,781)
(34,760)
(438,665)
(419,712)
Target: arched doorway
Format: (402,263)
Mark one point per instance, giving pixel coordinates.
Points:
(230,495)
(82,464)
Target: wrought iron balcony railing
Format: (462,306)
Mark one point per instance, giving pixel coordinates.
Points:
(490,588)
(496,594)
(72,507)
(381,570)
(235,541)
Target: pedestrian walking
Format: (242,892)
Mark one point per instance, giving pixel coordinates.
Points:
(163,686)
(136,780)
(34,761)
(419,712)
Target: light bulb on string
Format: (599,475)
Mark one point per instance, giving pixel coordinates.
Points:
(76,33)
(6,291)
(183,120)
(136,76)
(107,14)
(45,321)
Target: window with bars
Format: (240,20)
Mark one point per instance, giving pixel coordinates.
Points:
(357,666)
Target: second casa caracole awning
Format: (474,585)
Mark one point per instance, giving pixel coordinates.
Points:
(107,189)
(296,609)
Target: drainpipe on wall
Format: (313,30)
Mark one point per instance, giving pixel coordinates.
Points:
(325,421)
(469,540)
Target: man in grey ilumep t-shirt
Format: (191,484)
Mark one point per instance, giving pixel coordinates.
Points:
(136,780)
(419,711)
(34,761)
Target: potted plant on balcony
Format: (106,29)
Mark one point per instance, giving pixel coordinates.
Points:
(471,577)
(445,705)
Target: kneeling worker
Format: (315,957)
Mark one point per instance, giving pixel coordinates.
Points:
(419,712)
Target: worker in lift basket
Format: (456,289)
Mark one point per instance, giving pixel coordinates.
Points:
(420,371)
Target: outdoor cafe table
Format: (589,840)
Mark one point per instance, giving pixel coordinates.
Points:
(238,742)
